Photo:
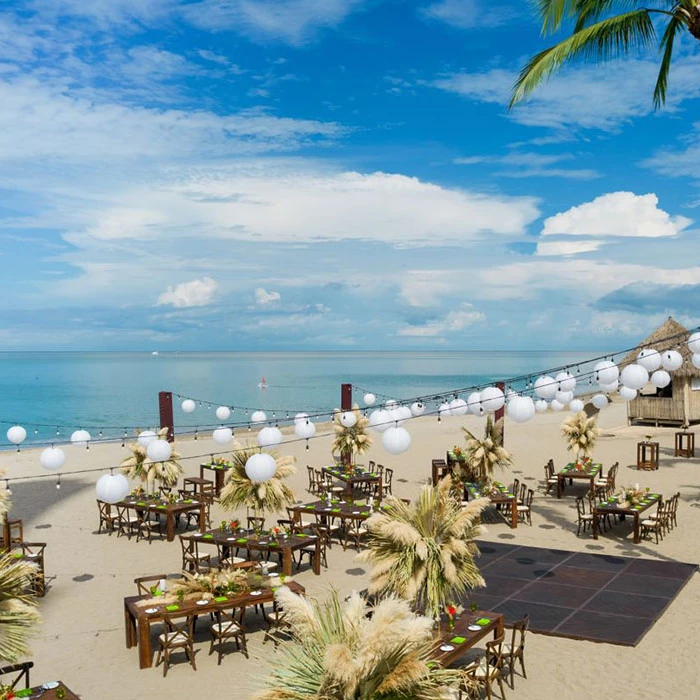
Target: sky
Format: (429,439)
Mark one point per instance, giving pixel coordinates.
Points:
(334,175)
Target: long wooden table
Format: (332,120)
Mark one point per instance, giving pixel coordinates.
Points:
(612,507)
(500,497)
(461,638)
(137,621)
(220,470)
(344,510)
(589,473)
(50,694)
(352,478)
(169,510)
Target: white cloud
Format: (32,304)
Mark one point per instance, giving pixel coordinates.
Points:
(453,322)
(679,162)
(199,292)
(465,14)
(263,297)
(567,248)
(521,164)
(425,288)
(617,214)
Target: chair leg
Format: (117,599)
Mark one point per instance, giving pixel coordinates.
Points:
(522,664)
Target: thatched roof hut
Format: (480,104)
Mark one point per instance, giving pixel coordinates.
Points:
(679,402)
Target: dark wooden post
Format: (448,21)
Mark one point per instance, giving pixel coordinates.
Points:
(6,533)
(501,411)
(165,404)
(346,405)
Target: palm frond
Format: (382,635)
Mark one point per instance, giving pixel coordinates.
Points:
(18,614)
(673,28)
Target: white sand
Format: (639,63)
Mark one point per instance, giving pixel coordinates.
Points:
(82,637)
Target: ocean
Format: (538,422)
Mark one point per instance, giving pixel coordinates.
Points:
(110,393)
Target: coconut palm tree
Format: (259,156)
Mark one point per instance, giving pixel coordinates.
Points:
(352,440)
(483,456)
(339,652)
(424,551)
(599,34)
(580,433)
(271,496)
(140,466)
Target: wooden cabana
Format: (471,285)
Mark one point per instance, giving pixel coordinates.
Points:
(677,404)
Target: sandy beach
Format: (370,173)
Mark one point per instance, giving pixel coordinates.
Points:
(82,637)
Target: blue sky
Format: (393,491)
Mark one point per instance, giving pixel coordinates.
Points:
(333,174)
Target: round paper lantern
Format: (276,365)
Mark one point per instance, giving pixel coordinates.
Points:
(650,359)
(492,399)
(391,403)
(305,429)
(634,376)
(348,419)
(541,406)
(627,393)
(188,405)
(146,437)
(606,372)
(112,488)
(396,440)
(564,397)
(159,451)
(576,405)
(258,417)
(671,360)
(694,343)
(260,467)
(609,388)
(301,417)
(52,458)
(521,409)
(474,404)
(270,437)
(556,406)
(661,378)
(695,359)
(444,410)
(17,434)
(222,435)
(402,414)
(379,420)
(369,399)
(80,438)
(566,381)
(546,387)
(223,413)
(600,401)
(417,408)
(458,407)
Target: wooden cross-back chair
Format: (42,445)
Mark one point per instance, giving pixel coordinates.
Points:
(21,677)
(486,671)
(192,559)
(585,520)
(515,649)
(142,583)
(228,627)
(107,519)
(178,635)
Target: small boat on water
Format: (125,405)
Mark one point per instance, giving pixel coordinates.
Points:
(262,384)
(154,353)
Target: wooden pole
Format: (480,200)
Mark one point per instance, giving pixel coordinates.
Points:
(165,404)
(6,533)
(346,405)
(501,412)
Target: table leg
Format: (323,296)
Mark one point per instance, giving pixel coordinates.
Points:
(202,517)
(637,539)
(129,627)
(201,471)
(170,526)
(595,525)
(220,474)
(514,513)
(317,558)
(559,485)
(287,561)
(145,650)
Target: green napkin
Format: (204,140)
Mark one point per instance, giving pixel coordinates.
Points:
(24,693)
(172,608)
(140,503)
(335,510)
(310,506)
(483,621)
(17,555)
(161,507)
(221,599)
(207,537)
(458,640)
(273,544)
(241,540)
(189,500)
(364,513)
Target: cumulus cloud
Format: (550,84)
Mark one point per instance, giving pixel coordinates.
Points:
(465,14)
(199,292)
(454,321)
(567,248)
(264,297)
(519,164)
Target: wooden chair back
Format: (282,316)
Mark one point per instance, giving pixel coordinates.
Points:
(22,675)
(142,581)
(190,552)
(580,507)
(494,651)
(523,493)
(528,499)
(517,640)
(313,486)
(388,479)
(176,623)
(256,522)
(515,488)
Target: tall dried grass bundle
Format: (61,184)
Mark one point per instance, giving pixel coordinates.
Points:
(140,466)
(352,440)
(484,456)
(423,552)
(580,433)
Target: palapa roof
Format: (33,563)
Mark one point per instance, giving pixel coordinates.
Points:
(670,335)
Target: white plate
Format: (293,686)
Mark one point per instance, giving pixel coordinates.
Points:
(202,602)
(312,537)
(49,685)
(341,502)
(262,541)
(194,503)
(446,647)
(150,611)
(256,593)
(197,534)
(356,512)
(230,539)
(475,628)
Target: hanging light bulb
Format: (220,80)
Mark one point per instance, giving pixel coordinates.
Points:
(307,445)
(58,483)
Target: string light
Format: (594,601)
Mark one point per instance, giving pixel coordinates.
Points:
(58,483)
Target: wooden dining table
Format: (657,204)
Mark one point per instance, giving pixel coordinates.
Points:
(137,621)
(589,473)
(170,510)
(499,496)
(461,638)
(613,507)
(355,477)
(40,691)
(220,470)
(337,508)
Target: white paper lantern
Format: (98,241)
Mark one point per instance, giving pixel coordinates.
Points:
(391,403)
(146,437)
(576,405)
(159,451)
(600,401)
(492,399)
(610,388)
(671,360)
(222,435)
(546,387)
(260,467)
(444,410)
(661,378)
(634,376)
(258,417)
(52,458)
(627,393)
(80,438)
(112,488)
(305,429)
(17,434)
(541,406)
(402,414)
(458,407)
(301,417)
(270,437)
(521,409)
(566,381)
(556,406)
(650,359)
(695,359)
(474,404)
(606,372)
(369,399)
(418,408)
(563,397)
(396,440)
(188,406)
(379,420)
(223,413)
(348,419)
(694,343)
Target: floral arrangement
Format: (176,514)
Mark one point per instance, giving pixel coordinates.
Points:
(235,524)
(583,463)
(451,611)
(6,692)
(221,462)
(276,531)
(581,434)
(631,495)
(457,451)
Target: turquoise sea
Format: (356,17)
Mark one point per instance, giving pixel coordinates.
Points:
(110,392)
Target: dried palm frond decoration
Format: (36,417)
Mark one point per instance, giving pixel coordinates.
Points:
(269,496)
(580,433)
(140,466)
(424,552)
(353,440)
(339,652)
(483,456)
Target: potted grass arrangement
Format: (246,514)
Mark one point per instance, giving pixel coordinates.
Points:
(351,440)
(483,456)
(138,466)
(581,434)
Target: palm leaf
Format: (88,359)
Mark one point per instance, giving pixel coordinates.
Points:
(18,614)
(675,25)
